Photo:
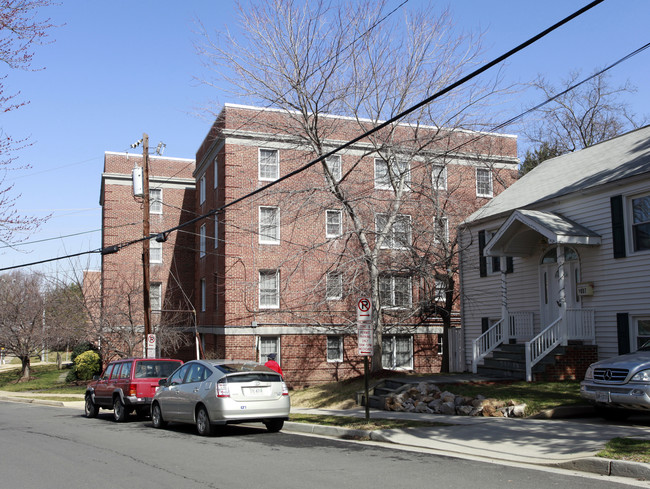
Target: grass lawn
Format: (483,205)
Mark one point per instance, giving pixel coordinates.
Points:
(631,449)
(45,379)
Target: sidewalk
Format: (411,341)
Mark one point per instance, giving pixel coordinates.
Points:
(561,443)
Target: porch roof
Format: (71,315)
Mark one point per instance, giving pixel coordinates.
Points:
(521,232)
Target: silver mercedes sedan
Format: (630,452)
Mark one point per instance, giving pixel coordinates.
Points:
(209,393)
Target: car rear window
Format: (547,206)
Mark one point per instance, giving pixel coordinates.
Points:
(155,369)
(253,376)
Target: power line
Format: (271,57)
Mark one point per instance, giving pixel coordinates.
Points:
(163,235)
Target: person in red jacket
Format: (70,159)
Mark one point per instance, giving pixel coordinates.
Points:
(272,364)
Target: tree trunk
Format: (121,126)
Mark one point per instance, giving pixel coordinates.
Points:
(25,373)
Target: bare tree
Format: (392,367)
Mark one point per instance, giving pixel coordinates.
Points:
(20,32)
(586,115)
(22,309)
(321,58)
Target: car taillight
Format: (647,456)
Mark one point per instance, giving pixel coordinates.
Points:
(132,390)
(285,391)
(222,388)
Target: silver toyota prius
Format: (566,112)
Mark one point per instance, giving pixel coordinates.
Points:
(209,393)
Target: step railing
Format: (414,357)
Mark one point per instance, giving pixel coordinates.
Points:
(545,342)
(488,342)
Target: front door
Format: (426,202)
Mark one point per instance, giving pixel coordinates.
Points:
(549,275)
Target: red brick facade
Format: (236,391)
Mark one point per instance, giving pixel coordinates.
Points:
(231,319)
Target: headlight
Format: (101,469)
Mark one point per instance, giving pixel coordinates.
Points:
(589,374)
(642,376)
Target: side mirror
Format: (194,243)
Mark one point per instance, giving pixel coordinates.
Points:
(162,382)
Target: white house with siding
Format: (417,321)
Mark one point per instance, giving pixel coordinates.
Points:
(560,262)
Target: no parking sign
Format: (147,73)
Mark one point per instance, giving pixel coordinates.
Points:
(364,326)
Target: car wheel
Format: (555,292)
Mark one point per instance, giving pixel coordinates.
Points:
(90,408)
(119,410)
(274,425)
(203,425)
(156,417)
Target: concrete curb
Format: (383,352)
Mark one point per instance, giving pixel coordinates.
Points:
(26,400)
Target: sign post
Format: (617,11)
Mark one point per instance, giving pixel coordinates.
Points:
(365,340)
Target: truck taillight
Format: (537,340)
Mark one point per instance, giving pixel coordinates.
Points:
(132,390)
(222,388)
(285,391)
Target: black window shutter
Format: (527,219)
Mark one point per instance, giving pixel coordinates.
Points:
(482,261)
(618,226)
(509,265)
(623,329)
(485,324)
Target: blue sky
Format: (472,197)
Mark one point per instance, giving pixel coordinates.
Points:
(121,68)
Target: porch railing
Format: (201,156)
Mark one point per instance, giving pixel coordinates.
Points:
(575,324)
(487,342)
(521,325)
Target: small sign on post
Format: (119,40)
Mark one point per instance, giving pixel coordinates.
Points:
(151,346)
(364,326)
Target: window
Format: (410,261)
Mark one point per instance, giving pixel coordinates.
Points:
(202,241)
(125,372)
(269,289)
(389,174)
(483,183)
(269,164)
(155,296)
(202,189)
(155,201)
(216,232)
(334,224)
(397,352)
(268,345)
(395,291)
(441,230)
(399,234)
(334,286)
(269,218)
(642,330)
(203,295)
(215,164)
(334,166)
(179,375)
(441,291)
(155,251)
(439,177)
(197,373)
(641,223)
(334,348)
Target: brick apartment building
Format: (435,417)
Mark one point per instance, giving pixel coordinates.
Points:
(281,271)
(172,187)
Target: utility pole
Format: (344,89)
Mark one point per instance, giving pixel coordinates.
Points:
(146,283)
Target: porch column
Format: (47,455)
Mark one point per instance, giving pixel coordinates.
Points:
(504,298)
(562,288)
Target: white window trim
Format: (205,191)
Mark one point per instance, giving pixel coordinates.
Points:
(489,173)
(264,238)
(441,170)
(340,231)
(259,165)
(338,174)
(203,295)
(635,330)
(629,223)
(158,247)
(156,205)
(392,292)
(155,296)
(339,358)
(276,304)
(436,229)
(202,192)
(389,242)
(388,186)
(394,355)
(202,248)
(339,286)
(264,342)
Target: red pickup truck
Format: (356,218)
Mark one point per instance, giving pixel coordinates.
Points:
(128,385)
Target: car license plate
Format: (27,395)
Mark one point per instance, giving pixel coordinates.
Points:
(254,391)
(602,396)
